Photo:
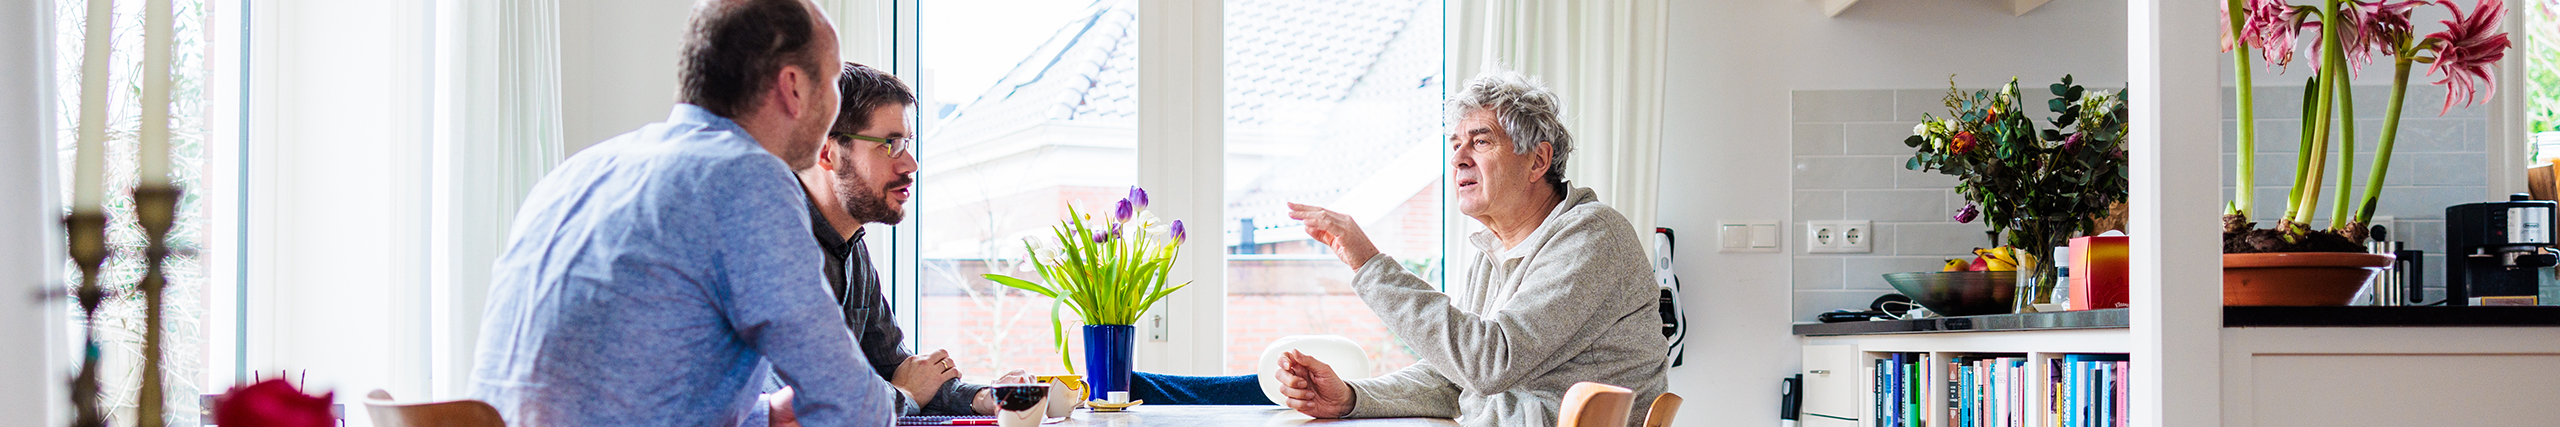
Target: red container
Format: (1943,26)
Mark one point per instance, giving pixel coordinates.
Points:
(2099,270)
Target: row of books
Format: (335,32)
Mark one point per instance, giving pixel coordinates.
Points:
(1987,391)
(2084,390)
(2089,390)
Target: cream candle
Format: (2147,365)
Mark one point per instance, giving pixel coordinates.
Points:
(155,93)
(88,176)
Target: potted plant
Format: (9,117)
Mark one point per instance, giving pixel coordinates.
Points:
(1109,271)
(2293,263)
(2038,187)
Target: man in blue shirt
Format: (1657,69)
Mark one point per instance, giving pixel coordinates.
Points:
(655,278)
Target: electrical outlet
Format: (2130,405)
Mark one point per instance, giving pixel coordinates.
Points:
(1840,237)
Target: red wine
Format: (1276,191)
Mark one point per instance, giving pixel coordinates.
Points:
(1019,397)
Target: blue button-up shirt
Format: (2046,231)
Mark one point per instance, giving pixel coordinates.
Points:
(654,278)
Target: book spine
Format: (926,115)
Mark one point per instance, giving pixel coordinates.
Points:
(1880,395)
(2124,405)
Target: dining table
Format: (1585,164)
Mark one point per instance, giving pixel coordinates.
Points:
(1227,415)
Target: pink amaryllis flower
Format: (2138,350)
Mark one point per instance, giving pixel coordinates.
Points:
(2464,51)
(2274,28)
(2381,25)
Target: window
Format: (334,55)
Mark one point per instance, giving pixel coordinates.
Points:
(2542,78)
(1024,113)
(1334,103)
(119,322)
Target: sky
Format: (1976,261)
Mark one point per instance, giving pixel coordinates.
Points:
(967,48)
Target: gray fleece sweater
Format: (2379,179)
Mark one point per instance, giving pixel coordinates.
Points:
(1573,302)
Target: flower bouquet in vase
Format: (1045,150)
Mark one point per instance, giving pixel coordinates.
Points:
(1108,270)
(2035,187)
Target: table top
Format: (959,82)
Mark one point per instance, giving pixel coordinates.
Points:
(1228,415)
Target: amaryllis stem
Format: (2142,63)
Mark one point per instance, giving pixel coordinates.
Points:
(2390,132)
(2332,61)
(2339,213)
(2243,189)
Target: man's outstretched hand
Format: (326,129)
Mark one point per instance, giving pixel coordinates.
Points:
(1337,231)
(1312,388)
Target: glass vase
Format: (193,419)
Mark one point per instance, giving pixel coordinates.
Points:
(2038,279)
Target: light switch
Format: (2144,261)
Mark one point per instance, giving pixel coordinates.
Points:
(1764,237)
(1747,236)
(1733,237)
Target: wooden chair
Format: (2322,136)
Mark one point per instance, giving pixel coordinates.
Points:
(453,413)
(1590,404)
(1664,408)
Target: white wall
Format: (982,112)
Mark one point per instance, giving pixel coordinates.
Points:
(1726,128)
(617,66)
(30,240)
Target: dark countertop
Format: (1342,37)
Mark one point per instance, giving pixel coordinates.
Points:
(2086,319)
(2241,317)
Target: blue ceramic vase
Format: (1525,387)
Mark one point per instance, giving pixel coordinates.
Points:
(1106,357)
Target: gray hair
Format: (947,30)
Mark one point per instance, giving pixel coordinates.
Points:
(1526,109)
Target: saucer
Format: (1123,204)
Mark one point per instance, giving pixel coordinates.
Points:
(1101,406)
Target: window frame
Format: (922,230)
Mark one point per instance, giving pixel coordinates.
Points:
(1181,149)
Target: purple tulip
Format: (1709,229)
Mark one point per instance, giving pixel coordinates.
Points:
(1138,196)
(1178,235)
(1104,236)
(1967,214)
(1124,213)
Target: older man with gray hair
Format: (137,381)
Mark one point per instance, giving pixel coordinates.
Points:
(1560,292)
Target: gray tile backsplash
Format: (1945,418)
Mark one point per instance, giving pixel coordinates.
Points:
(1848,154)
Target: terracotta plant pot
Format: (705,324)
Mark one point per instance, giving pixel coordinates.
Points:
(2297,278)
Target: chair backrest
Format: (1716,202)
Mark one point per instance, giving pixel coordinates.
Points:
(1590,404)
(1664,407)
(452,413)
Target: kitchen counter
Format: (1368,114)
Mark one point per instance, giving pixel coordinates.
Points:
(2241,317)
(2085,319)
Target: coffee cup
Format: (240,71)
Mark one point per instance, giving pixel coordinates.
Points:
(1066,392)
(1020,405)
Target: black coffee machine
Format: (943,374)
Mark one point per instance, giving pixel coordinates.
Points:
(2496,251)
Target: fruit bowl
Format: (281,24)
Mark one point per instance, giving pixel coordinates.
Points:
(1959,293)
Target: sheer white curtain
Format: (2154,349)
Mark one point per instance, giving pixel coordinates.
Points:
(30,240)
(500,131)
(1605,59)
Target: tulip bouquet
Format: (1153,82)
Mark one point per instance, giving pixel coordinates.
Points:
(2344,35)
(1108,270)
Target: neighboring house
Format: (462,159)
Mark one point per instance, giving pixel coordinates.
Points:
(1332,103)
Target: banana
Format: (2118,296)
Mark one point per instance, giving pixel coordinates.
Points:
(1997,259)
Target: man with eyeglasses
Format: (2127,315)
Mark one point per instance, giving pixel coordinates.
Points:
(863,175)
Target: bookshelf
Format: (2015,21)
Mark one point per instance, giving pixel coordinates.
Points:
(1840,382)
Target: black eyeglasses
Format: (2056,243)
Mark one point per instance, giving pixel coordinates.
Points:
(896,147)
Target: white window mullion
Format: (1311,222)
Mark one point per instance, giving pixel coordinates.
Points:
(1181,159)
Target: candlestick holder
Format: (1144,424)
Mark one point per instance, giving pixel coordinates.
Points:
(86,232)
(155,206)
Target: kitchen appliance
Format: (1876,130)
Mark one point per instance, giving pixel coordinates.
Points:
(2495,251)
(2404,283)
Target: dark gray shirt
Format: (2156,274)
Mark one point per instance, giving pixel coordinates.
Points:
(866,311)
